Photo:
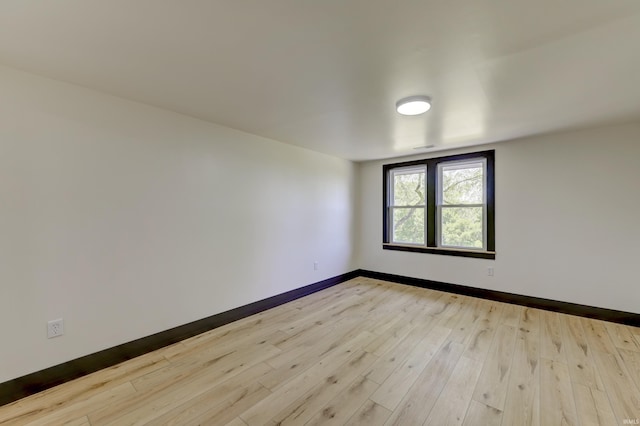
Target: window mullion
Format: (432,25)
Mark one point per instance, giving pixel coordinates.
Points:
(430,219)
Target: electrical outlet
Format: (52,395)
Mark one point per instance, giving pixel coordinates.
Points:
(55,328)
(490,271)
(316,265)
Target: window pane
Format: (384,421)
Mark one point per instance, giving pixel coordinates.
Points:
(408,188)
(408,225)
(462,227)
(463,184)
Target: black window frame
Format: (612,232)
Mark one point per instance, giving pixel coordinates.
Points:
(431,219)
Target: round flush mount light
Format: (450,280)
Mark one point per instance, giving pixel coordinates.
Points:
(413,105)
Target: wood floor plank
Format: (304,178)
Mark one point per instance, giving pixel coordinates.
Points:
(241,387)
(529,322)
(225,343)
(236,333)
(237,403)
(76,391)
(113,396)
(323,342)
(603,407)
(443,307)
(236,422)
(379,301)
(396,355)
(402,379)
(323,298)
(582,368)
(338,310)
(367,352)
(155,401)
(345,404)
(467,320)
(383,322)
(631,360)
(621,389)
(597,336)
(593,406)
(557,405)
(480,414)
(369,414)
(288,367)
(482,335)
(292,345)
(494,379)
(82,421)
(420,399)
(405,309)
(622,336)
(280,398)
(385,342)
(551,342)
(453,402)
(213,362)
(522,405)
(450,316)
(511,314)
(304,408)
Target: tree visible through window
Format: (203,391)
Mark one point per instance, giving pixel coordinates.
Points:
(408,205)
(461,204)
(440,205)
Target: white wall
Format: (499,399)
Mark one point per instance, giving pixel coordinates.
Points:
(127,220)
(567,221)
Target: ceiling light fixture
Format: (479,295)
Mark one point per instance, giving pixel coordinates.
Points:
(413,105)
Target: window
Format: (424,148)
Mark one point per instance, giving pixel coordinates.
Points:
(441,205)
(461,204)
(407,204)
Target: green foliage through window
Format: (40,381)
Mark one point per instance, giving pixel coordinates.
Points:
(462,227)
(408,205)
(408,225)
(462,185)
(461,209)
(408,188)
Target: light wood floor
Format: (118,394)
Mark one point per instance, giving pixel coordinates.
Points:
(371,353)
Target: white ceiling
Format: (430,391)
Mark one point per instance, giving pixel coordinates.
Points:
(325,74)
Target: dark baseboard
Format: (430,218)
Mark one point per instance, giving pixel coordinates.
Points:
(611,315)
(36,382)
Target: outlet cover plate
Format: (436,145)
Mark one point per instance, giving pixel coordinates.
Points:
(55,328)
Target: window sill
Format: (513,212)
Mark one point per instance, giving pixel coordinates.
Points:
(478,254)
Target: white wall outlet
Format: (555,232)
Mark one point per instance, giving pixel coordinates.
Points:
(490,271)
(316,265)
(55,328)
